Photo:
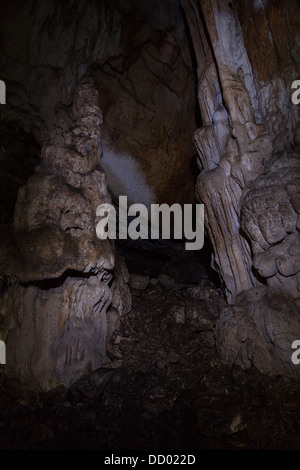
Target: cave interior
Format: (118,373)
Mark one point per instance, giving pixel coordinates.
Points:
(143,344)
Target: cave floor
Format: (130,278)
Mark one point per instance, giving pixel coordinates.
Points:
(164,389)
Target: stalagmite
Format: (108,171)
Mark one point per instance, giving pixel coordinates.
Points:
(61,279)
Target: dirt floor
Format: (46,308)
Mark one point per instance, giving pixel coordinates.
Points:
(164,389)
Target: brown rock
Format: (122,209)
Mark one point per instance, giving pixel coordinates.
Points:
(58,295)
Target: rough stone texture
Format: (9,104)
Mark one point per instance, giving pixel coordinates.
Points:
(245,122)
(269,218)
(167,388)
(139,282)
(148,101)
(248,55)
(59,279)
(140,57)
(259,332)
(46,49)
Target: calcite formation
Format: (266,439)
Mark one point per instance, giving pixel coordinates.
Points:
(248,153)
(59,282)
(138,52)
(270,218)
(259,331)
(58,279)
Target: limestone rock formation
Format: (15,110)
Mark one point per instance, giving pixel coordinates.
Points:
(148,100)
(248,151)
(259,331)
(58,279)
(270,218)
(140,58)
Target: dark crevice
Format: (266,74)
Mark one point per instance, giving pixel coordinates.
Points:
(258,277)
(47,284)
(19,156)
(198,118)
(207,35)
(68,229)
(155,257)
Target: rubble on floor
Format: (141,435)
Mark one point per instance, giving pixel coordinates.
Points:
(163,389)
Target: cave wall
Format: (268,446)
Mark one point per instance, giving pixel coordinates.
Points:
(19,155)
(147,95)
(60,283)
(248,153)
(244,95)
(247,56)
(140,59)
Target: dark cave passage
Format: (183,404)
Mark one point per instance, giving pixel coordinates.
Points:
(170,257)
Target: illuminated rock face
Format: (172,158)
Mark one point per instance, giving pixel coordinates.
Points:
(57,277)
(62,280)
(249,155)
(248,117)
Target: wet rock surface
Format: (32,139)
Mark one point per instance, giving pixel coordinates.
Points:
(163,388)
